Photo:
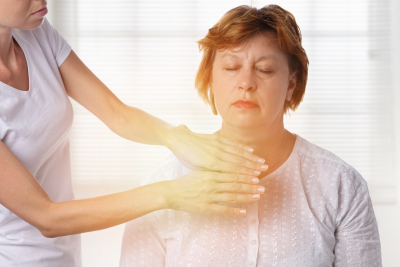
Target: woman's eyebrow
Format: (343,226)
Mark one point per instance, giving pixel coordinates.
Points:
(228,54)
(266,57)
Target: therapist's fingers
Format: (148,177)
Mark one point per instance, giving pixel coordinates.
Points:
(222,209)
(216,182)
(239,188)
(212,152)
(232,178)
(198,191)
(229,167)
(238,149)
(230,163)
(236,198)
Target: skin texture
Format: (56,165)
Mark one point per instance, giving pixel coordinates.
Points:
(223,168)
(257,71)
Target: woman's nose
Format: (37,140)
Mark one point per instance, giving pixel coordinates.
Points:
(247,80)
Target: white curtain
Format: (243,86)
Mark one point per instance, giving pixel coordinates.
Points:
(146,52)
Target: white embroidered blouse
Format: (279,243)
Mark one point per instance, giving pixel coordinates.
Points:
(316,211)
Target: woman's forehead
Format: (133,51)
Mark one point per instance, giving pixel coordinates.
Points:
(262,46)
(258,57)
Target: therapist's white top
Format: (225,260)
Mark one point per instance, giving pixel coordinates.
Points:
(316,211)
(34,125)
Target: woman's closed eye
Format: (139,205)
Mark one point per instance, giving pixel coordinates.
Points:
(261,70)
(265,71)
(231,68)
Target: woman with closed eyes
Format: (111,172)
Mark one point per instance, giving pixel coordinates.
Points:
(316,209)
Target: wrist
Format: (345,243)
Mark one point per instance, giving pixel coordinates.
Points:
(162,195)
(173,135)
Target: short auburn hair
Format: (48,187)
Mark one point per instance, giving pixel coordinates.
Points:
(236,27)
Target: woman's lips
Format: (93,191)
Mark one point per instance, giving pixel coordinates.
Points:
(245,104)
(41,13)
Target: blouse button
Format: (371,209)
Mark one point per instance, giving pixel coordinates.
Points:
(251,264)
(254,242)
(253,221)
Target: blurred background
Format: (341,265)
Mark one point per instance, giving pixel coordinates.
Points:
(145,51)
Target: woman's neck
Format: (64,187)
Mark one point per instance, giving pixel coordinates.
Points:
(6,45)
(273,143)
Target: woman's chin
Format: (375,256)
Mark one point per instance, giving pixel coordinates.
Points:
(34,23)
(242,122)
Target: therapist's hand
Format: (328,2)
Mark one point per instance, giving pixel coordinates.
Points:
(203,192)
(212,152)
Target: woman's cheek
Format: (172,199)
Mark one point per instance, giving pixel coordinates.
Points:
(221,95)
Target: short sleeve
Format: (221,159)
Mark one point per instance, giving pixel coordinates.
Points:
(357,236)
(60,48)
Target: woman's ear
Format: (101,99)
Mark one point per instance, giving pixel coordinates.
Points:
(291,86)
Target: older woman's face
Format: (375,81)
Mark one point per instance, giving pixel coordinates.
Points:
(250,83)
(22,14)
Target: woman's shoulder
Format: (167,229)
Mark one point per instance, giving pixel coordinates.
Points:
(315,158)
(167,169)
(327,179)
(306,148)
(45,38)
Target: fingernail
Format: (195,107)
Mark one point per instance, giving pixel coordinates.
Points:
(264,167)
(255,180)
(256,196)
(242,211)
(261,189)
(250,149)
(257,172)
(261,160)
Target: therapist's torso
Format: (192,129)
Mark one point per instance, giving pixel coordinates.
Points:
(34,125)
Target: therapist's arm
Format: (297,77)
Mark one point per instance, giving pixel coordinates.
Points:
(198,192)
(196,151)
